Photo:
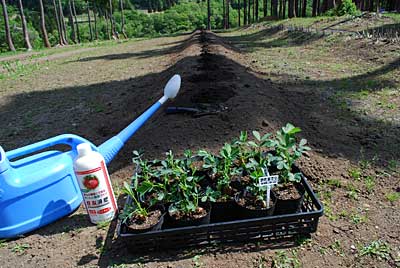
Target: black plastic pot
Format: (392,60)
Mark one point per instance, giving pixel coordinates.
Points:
(154,227)
(247,213)
(224,211)
(172,223)
(289,206)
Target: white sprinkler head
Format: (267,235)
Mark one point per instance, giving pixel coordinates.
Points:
(171,89)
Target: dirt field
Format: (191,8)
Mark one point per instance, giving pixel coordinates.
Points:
(258,80)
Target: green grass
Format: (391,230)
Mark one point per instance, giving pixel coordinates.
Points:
(357,218)
(103,225)
(378,249)
(355,173)
(284,260)
(393,196)
(20,248)
(394,16)
(369,182)
(3,243)
(336,183)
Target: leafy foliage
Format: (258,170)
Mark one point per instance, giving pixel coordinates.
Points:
(347,7)
(288,151)
(186,182)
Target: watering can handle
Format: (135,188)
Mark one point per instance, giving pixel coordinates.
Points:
(67,139)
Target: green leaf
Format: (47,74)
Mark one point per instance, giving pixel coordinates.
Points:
(204,199)
(252,143)
(256,134)
(303,142)
(144,187)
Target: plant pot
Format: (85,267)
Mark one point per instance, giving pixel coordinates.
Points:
(247,213)
(172,222)
(153,227)
(223,211)
(289,206)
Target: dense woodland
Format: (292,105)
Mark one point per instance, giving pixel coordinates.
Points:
(45,23)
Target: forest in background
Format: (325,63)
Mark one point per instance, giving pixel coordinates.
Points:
(45,23)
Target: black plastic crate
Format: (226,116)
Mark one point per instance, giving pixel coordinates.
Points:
(271,228)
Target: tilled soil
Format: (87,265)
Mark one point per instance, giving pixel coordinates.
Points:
(215,77)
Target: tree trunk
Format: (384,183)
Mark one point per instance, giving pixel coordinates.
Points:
(249,12)
(60,40)
(107,28)
(89,21)
(121,7)
(314,8)
(113,32)
(245,12)
(76,22)
(7,26)
(254,10)
(284,9)
(304,11)
(291,9)
(239,13)
(43,25)
(265,5)
(71,22)
(62,24)
(208,15)
(228,3)
(296,8)
(24,27)
(377,6)
(280,9)
(274,8)
(223,14)
(96,33)
(257,6)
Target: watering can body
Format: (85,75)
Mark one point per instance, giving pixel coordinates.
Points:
(38,189)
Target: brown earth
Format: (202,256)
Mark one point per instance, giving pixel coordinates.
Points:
(141,223)
(96,95)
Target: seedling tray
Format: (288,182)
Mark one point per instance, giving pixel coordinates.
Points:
(271,228)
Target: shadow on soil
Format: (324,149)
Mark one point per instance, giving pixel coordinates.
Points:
(254,41)
(176,47)
(97,112)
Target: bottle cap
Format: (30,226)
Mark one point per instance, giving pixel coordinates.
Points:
(84,149)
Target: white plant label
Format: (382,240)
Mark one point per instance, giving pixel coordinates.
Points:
(269,181)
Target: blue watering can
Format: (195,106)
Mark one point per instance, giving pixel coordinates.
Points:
(42,187)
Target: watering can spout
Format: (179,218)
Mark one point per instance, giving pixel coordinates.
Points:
(111,147)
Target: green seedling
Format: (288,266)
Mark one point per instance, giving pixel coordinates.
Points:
(337,248)
(196,262)
(283,260)
(334,182)
(377,248)
(103,225)
(357,218)
(261,262)
(228,154)
(20,248)
(3,243)
(369,183)
(352,191)
(136,209)
(393,196)
(355,174)
(287,152)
